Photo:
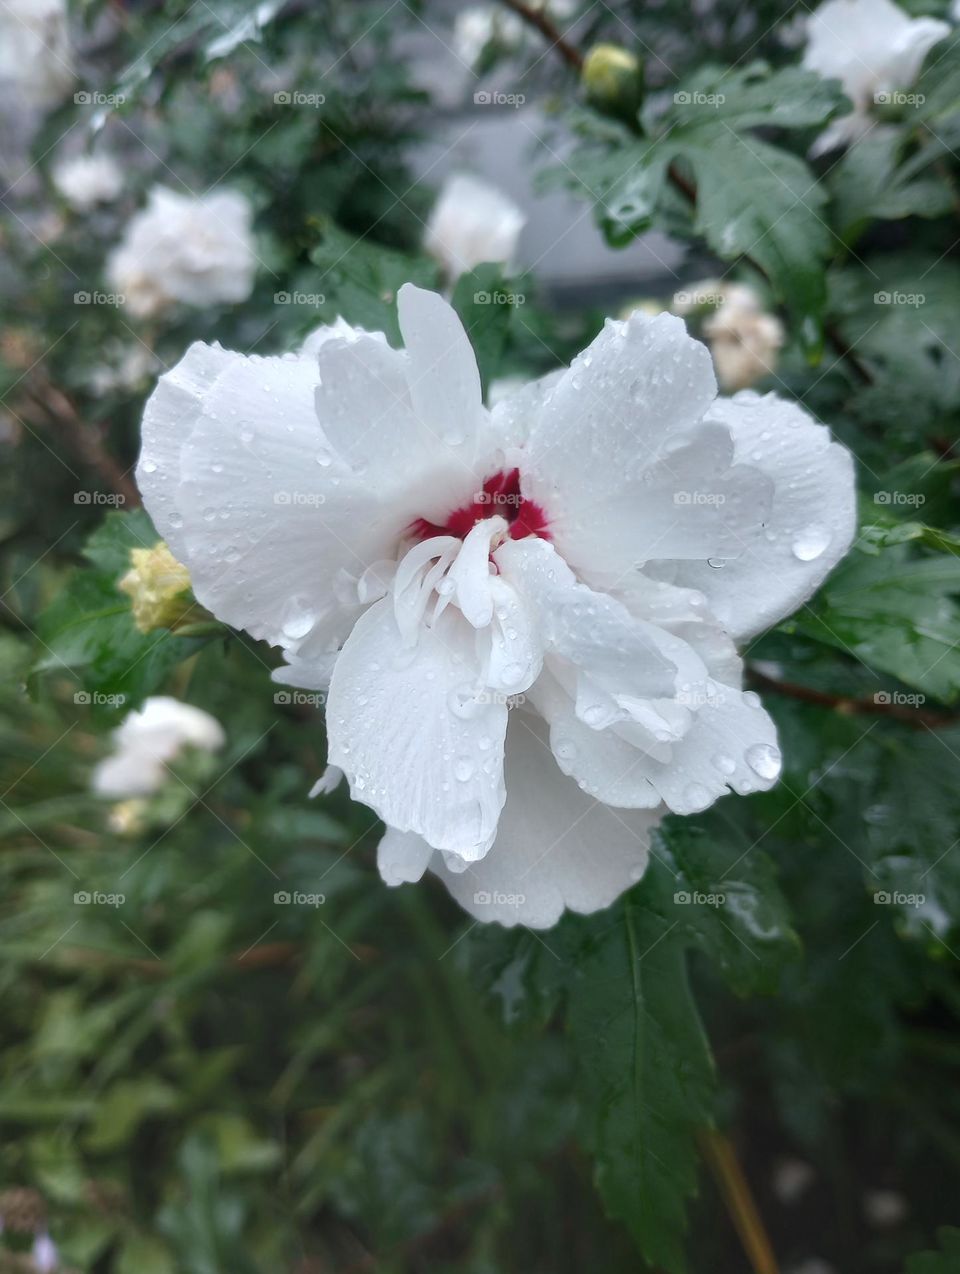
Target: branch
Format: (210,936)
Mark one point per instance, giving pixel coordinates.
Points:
(538,19)
(920,718)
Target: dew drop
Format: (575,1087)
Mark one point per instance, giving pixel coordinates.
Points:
(811,542)
(763,760)
(463,770)
(725,764)
(696,796)
(717,563)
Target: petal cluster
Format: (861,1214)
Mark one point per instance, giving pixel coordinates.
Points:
(524,618)
(195,250)
(874,49)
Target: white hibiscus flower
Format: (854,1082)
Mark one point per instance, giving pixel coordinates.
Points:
(197,250)
(86,180)
(147,740)
(518,615)
(873,48)
(35,59)
(472,222)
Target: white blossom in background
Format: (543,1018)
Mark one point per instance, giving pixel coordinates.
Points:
(193,249)
(44,1255)
(874,48)
(470,223)
(125,368)
(744,339)
(524,619)
(147,740)
(35,60)
(86,180)
(478,24)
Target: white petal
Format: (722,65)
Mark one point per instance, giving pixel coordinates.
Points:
(641,383)
(810,527)
(262,518)
(442,371)
(402,857)
(556,848)
(405,727)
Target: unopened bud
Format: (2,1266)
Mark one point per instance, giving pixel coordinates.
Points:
(612,79)
(158,587)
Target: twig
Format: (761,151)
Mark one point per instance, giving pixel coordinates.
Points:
(86,442)
(548,29)
(739,1200)
(848,706)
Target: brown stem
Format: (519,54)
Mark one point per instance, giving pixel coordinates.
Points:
(548,29)
(847,706)
(86,442)
(738,1197)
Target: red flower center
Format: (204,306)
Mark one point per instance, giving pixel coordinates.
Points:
(500,497)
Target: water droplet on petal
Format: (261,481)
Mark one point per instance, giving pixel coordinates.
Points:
(764,760)
(811,542)
(696,796)
(718,563)
(463,770)
(725,764)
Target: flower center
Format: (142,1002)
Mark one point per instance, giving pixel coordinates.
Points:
(500,497)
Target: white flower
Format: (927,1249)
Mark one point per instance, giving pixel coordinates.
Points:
(472,222)
(44,1256)
(147,740)
(35,64)
(744,339)
(873,48)
(478,24)
(125,367)
(86,180)
(194,249)
(519,616)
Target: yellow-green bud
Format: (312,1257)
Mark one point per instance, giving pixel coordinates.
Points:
(158,587)
(611,77)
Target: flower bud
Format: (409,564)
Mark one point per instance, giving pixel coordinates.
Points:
(158,587)
(612,79)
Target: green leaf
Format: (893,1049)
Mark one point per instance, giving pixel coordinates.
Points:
(646,1073)
(939,82)
(755,96)
(360,279)
(870,183)
(88,629)
(896,612)
(486,302)
(946,1261)
(756,200)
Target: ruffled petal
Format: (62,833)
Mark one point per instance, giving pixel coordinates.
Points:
(415,736)
(402,857)
(556,848)
(810,526)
